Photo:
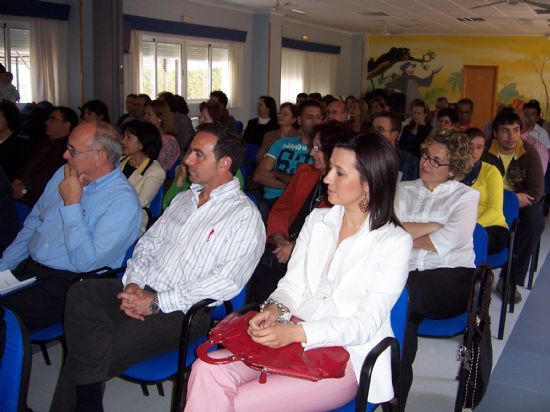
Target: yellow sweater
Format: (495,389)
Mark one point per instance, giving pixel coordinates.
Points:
(490,186)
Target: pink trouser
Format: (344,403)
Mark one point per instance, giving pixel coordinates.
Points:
(235,387)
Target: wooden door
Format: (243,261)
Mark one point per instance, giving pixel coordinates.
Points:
(480,84)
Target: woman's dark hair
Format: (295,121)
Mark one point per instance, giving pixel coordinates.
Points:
(452,114)
(217,111)
(378,166)
(271,105)
(148,135)
(229,144)
(11,114)
(331,134)
(97,107)
(182,105)
(475,132)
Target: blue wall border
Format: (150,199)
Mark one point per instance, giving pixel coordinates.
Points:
(35,8)
(184,29)
(310,46)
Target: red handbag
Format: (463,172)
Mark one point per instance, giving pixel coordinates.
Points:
(290,360)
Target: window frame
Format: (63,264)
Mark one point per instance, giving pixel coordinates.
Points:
(7,24)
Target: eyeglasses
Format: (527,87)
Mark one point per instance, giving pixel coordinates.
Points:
(316,148)
(73,152)
(433,161)
(381,130)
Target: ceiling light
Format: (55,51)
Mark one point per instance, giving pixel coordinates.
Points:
(298,11)
(470,19)
(373,14)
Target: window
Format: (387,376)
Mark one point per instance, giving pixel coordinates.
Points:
(206,68)
(15,56)
(307,72)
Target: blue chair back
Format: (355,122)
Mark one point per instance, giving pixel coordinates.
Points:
(16,364)
(249,162)
(156,204)
(480,244)
(171,173)
(511,207)
(22,212)
(239,126)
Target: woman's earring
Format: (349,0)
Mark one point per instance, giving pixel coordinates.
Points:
(364,203)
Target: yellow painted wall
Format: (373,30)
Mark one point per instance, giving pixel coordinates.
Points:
(520,59)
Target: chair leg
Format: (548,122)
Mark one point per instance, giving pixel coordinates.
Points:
(144,389)
(45,353)
(533,265)
(504,307)
(160,389)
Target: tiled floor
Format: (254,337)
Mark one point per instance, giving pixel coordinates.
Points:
(520,378)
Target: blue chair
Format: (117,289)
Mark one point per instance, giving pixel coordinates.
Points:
(171,174)
(446,328)
(252,197)
(49,334)
(249,162)
(239,126)
(16,365)
(398,320)
(505,258)
(22,212)
(155,208)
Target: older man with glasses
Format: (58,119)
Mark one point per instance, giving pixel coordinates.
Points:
(86,219)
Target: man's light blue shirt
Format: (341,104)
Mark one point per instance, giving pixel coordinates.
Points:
(81,237)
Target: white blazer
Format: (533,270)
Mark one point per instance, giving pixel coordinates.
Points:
(146,187)
(368,271)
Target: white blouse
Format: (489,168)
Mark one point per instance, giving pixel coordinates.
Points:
(452,204)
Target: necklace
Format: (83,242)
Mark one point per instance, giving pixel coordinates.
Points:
(318,194)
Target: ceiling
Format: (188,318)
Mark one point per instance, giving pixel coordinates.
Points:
(512,17)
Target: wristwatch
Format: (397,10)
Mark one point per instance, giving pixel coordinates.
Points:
(24,191)
(154,305)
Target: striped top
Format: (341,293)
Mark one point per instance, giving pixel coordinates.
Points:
(192,253)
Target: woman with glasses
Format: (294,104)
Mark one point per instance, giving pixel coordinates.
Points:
(440,214)
(305,192)
(416,131)
(141,144)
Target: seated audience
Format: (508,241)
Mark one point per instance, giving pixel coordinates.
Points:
(377,105)
(305,192)
(417,130)
(286,119)
(531,116)
(158,113)
(359,115)
(9,224)
(141,143)
(213,112)
(440,214)
(181,124)
(265,122)
(337,110)
(465,110)
(93,111)
(440,103)
(300,97)
(315,96)
(519,164)
(348,268)
(487,180)
(46,157)
(221,97)
(14,150)
(446,118)
(77,225)
(283,158)
(129,106)
(388,125)
(8,91)
(206,245)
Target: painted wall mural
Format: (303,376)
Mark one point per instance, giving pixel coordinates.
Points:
(431,66)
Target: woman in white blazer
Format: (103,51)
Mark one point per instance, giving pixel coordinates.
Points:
(347,270)
(141,144)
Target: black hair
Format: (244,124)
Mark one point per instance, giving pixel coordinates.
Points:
(466,101)
(475,132)
(331,134)
(97,107)
(506,117)
(316,96)
(11,114)
(148,135)
(533,104)
(221,96)
(395,120)
(378,166)
(229,144)
(311,103)
(450,113)
(271,105)
(67,115)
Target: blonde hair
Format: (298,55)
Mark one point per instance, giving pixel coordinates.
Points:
(458,146)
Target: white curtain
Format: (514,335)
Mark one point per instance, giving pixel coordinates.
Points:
(49,61)
(132,63)
(307,72)
(235,90)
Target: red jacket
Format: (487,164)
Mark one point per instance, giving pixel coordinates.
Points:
(287,207)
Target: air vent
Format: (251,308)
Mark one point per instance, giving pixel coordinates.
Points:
(374,14)
(470,19)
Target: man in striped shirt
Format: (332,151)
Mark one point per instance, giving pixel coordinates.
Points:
(205,245)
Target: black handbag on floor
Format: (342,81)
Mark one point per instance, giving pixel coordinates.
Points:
(476,352)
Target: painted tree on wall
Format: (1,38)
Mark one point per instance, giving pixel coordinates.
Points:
(455,80)
(509,93)
(538,66)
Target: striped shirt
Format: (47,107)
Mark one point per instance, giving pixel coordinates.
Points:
(192,253)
